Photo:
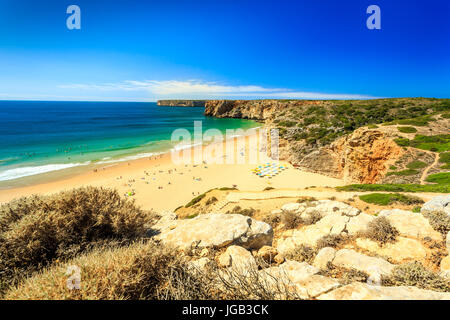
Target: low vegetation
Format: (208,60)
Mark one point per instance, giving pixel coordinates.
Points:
(320,125)
(415,274)
(147,270)
(436,143)
(37,231)
(381,230)
(439,178)
(406,172)
(407,129)
(440,221)
(384,199)
(397,188)
(444,157)
(417,164)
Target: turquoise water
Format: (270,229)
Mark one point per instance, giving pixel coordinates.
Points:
(43,137)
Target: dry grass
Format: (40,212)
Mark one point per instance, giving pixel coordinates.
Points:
(439,220)
(331,240)
(381,230)
(36,231)
(149,271)
(414,274)
(303,253)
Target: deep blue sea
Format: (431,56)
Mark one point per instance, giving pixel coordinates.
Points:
(39,137)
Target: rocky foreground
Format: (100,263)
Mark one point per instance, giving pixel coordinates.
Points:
(334,251)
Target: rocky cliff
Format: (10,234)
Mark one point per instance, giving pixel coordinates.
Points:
(361,157)
(323,136)
(181,103)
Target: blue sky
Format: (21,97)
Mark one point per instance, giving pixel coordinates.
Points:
(147,50)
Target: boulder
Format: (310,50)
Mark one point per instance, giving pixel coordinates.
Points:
(237,257)
(293,207)
(363,291)
(267,253)
(199,265)
(309,235)
(326,207)
(301,278)
(402,249)
(217,231)
(323,257)
(359,223)
(410,224)
(348,258)
(447,242)
(439,203)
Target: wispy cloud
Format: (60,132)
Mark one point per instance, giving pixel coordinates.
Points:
(203,89)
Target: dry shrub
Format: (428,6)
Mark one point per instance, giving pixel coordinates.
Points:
(149,271)
(245,212)
(415,274)
(439,220)
(303,253)
(291,220)
(312,218)
(345,275)
(211,201)
(381,230)
(38,230)
(138,271)
(330,240)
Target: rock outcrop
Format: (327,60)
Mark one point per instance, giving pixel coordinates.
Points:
(217,231)
(361,157)
(181,103)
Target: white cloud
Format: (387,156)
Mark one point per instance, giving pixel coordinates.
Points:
(202,89)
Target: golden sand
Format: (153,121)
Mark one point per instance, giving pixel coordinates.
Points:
(159,184)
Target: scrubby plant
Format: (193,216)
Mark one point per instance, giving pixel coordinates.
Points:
(330,240)
(291,220)
(407,129)
(380,230)
(384,199)
(211,201)
(195,200)
(414,274)
(439,178)
(406,172)
(40,230)
(439,220)
(245,212)
(148,270)
(397,188)
(416,165)
(303,253)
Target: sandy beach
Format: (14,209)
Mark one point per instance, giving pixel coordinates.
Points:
(159,184)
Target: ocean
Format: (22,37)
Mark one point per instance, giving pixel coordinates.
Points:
(40,137)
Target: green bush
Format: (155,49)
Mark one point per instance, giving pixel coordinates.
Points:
(439,178)
(384,199)
(397,188)
(407,172)
(416,164)
(407,129)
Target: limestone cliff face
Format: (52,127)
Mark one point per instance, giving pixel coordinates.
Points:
(245,109)
(361,157)
(181,103)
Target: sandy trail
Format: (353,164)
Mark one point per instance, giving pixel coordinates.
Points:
(425,172)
